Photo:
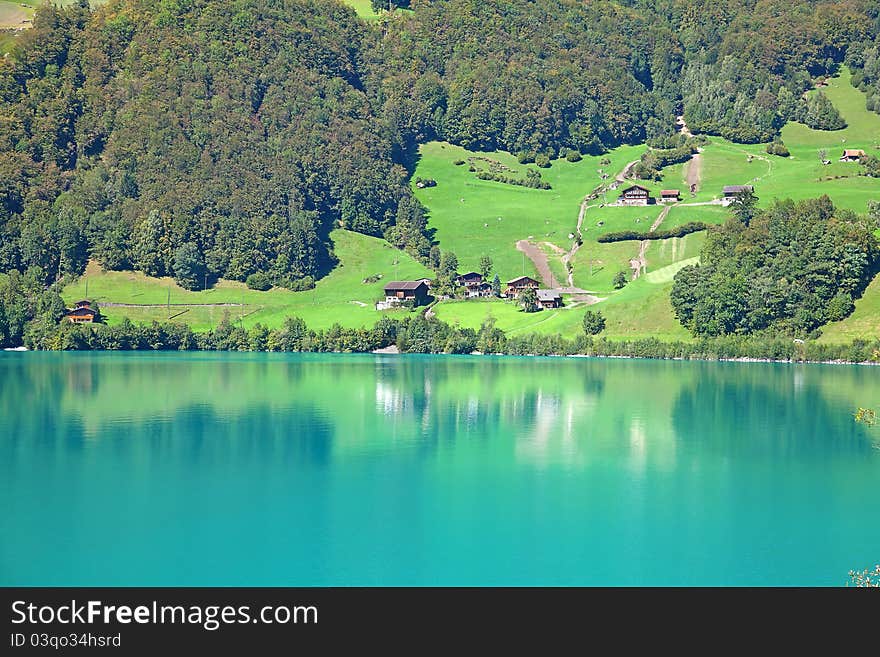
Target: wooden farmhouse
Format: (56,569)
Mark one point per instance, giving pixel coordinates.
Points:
(549,299)
(470,279)
(81,313)
(474,285)
(635,195)
(517,285)
(397,292)
(732,191)
(852,155)
(670,196)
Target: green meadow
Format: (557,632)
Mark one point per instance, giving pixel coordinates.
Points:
(474,217)
(864,321)
(340,297)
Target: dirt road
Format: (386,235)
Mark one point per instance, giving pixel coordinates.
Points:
(639,264)
(539,259)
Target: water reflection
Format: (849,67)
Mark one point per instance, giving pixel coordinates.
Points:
(545,410)
(328,469)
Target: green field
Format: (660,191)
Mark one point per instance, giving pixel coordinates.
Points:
(362,8)
(803,175)
(14,15)
(339,297)
(474,217)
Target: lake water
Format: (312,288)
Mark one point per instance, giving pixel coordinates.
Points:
(275,469)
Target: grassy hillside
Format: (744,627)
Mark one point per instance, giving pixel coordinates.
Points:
(340,297)
(863,323)
(473,217)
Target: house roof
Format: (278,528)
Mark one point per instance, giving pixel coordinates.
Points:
(632,187)
(669,192)
(403,285)
(520,279)
(735,189)
(81,311)
(548,295)
(853,152)
(471,274)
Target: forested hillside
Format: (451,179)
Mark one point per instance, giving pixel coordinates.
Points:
(222,138)
(195,138)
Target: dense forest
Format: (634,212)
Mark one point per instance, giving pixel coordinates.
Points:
(226,138)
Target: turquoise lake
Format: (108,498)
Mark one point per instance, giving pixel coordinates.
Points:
(282,469)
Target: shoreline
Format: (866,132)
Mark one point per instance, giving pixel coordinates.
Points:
(392,350)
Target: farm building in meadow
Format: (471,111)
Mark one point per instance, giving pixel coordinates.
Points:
(474,285)
(670,196)
(81,313)
(397,292)
(517,285)
(852,155)
(732,191)
(549,299)
(635,195)
(470,279)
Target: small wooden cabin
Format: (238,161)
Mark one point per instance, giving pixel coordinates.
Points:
(732,191)
(549,299)
(81,313)
(635,195)
(852,155)
(670,196)
(401,291)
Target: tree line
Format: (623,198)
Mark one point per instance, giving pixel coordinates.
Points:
(416,334)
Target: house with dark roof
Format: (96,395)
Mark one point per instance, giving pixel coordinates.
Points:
(517,285)
(635,195)
(470,279)
(549,299)
(81,313)
(730,192)
(852,155)
(397,292)
(474,285)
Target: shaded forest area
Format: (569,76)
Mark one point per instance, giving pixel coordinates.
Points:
(226,138)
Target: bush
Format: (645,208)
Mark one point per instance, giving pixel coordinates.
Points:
(620,279)
(778,148)
(543,161)
(298,284)
(458,163)
(594,322)
(259,281)
(525,157)
(573,156)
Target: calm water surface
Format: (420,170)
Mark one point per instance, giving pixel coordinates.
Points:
(234,469)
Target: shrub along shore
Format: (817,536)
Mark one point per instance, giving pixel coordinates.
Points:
(419,335)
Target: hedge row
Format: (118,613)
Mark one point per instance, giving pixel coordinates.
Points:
(678,231)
